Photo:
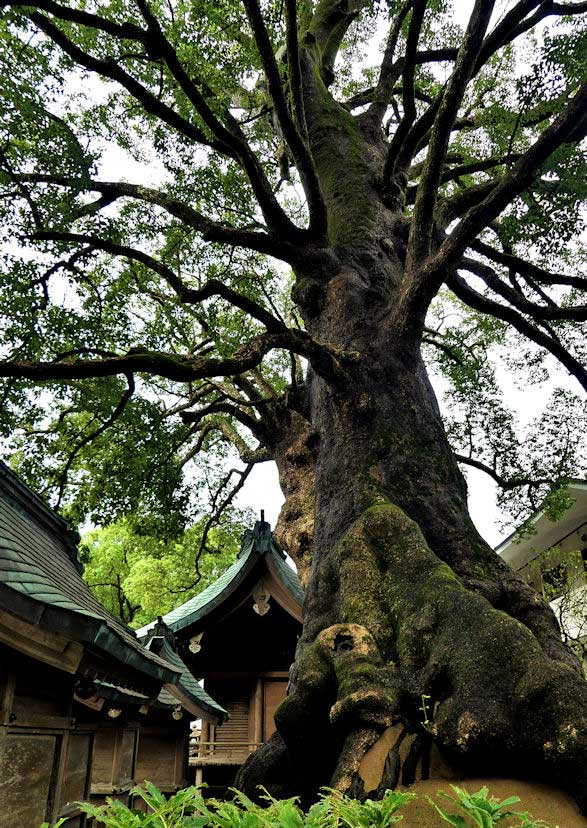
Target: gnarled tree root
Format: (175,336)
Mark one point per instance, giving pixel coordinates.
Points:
(415,646)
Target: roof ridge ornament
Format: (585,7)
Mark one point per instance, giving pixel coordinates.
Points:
(163,632)
(262,535)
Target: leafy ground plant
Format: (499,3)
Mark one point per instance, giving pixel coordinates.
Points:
(188,809)
(483,811)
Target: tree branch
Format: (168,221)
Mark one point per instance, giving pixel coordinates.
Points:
(217,509)
(123,31)
(232,138)
(550,312)
(93,435)
(421,230)
(260,454)
(330,23)
(460,170)
(191,296)
(389,71)
(526,267)
(391,169)
(507,314)
(442,346)
(230,142)
(298,146)
(326,361)
(515,23)
(573,122)
(504,483)
(294,68)
(212,231)
(254,426)
(110,69)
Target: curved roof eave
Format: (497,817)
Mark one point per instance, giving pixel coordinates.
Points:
(90,631)
(258,545)
(518,551)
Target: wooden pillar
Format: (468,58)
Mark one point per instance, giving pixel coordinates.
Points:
(204,749)
(7,685)
(199,776)
(258,715)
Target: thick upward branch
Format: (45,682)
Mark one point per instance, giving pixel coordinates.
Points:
(422,226)
(295,140)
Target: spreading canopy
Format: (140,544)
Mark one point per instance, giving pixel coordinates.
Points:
(159,185)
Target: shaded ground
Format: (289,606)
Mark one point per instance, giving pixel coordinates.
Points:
(541,801)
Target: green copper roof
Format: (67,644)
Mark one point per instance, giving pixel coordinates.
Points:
(289,578)
(255,544)
(40,581)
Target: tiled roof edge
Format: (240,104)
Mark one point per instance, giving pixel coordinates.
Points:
(91,631)
(570,483)
(256,543)
(25,498)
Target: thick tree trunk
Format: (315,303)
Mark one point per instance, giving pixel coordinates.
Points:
(410,619)
(405,602)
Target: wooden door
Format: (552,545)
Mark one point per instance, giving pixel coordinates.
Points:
(273,694)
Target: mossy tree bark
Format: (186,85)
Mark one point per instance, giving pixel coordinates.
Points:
(410,617)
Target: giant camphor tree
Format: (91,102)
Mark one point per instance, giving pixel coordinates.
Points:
(310,196)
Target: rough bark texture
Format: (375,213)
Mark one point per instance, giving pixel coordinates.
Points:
(404,599)
(295,455)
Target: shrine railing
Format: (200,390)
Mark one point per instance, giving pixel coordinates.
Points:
(218,751)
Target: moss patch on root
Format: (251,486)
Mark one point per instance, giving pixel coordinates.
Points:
(407,627)
(494,692)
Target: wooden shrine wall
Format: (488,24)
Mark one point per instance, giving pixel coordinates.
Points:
(45,758)
(163,755)
(114,759)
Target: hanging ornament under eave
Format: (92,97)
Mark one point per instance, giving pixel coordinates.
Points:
(261,601)
(195,644)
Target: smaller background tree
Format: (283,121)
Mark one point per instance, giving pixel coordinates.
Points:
(140,576)
(565,588)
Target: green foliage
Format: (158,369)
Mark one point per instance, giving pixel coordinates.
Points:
(480,365)
(335,810)
(565,586)
(185,809)
(59,298)
(483,811)
(138,576)
(188,809)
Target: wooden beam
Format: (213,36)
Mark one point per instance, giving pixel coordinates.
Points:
(44,646)
(257,714)
(280,594)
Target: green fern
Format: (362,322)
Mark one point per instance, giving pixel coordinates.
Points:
(483,811)
(188,809)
